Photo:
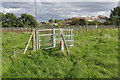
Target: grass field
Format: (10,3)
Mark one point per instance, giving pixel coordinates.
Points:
(94,55)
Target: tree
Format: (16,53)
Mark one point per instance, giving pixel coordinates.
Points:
(51,20)
(19,23)
(28,20)
(93,23)
(43,22)
(2,18)
(82,22)
(60,20)
(108,22)
(115,13)
(56,20)
(115,16)
(79,22)
(75,22)
(10,20)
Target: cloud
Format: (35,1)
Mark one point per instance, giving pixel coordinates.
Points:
(61,0)
(101,13)
(59,10)
(13,10)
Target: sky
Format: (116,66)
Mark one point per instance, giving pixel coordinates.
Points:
(46,10)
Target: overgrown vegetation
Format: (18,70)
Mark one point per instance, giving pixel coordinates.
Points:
(94,55)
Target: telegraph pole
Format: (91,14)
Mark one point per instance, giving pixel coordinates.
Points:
(35,10)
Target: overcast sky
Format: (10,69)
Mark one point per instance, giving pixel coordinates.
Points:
(59,10)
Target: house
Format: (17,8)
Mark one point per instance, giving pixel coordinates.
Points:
(99,18)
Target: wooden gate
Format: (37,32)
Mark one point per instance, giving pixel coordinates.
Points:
(52,38)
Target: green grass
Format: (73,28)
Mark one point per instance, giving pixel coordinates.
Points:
(94,55)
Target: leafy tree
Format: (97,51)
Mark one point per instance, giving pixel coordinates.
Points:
(43,22)
(115,13)
(56,20)
(51,20)
(61,20)
(82,22)
(75,22)
(10,20)
(93,23)
(28,20)
(79,22)
(2,18)
(19,23)
(108,22)
(115,16)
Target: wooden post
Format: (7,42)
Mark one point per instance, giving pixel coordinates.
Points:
(71,38)
(65,45)
(69,33)
(54,38)
(37,39)
(34,48)
(14,54)
(28,43)
(61,41)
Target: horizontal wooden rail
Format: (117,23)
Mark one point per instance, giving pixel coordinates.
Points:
(45,40)
(46,35)
(46,44)
(68,40)
(48,47)
(57,38)
(48,29)
(55,29)
(70,45)
(67,29)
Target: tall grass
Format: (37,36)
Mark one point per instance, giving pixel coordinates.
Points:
(94,55)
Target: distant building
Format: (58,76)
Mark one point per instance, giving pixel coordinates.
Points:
(99,18)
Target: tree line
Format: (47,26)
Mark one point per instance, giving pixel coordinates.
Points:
(25,20)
